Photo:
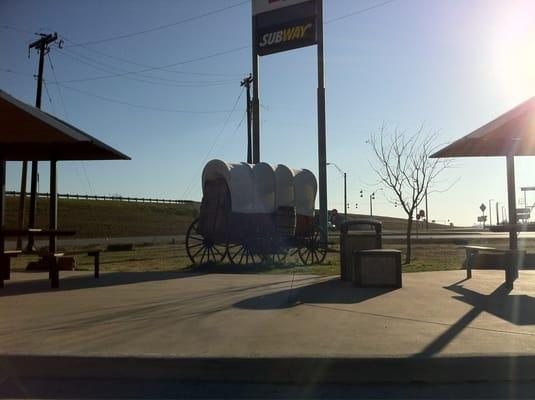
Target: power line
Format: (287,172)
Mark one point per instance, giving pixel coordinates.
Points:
(155,68)
(233,134)
(111,100)
(92,62)
(57,86)
(140,77)
(361,11)
(128,35)
(49,98)
(214,142)
(126,61)
(16,72)
(12,28)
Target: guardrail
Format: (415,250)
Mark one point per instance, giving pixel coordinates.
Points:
(109,198)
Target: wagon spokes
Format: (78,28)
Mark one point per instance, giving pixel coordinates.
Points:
(244,253)
(312,250)
(202,249)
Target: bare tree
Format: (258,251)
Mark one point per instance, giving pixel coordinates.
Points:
(402,163)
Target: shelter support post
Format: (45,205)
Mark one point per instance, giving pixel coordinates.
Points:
(22,201)
(322,146)
(2,216)
(513,259)
(33,203)
(2,202)
(53,223)
(511,198)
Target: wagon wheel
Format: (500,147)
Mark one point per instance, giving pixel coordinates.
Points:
(244,253)
(202,249)
(285,254)
(312,251)
(280,256)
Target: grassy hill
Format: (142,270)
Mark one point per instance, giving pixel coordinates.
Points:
(92,218)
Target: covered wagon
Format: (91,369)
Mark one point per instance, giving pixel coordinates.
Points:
(252,212)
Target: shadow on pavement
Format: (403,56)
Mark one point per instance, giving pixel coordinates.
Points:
(223,268)
(41,283)
(332,291)
(516,309)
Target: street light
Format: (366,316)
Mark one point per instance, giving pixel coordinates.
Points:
(372,197)
(345,186)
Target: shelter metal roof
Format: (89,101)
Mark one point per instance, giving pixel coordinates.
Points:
(28,133)
(511,134)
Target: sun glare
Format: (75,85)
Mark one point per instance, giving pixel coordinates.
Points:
(514,50)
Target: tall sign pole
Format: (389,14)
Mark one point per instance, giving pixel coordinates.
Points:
(281,25)
(322,141)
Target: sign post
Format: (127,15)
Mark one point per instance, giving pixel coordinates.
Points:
(322,139)
(281,25)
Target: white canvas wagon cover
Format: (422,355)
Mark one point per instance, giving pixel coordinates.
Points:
(306,188)
(262,188)
(239,179)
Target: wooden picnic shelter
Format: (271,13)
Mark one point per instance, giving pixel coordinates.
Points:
(511,134)
(30,134)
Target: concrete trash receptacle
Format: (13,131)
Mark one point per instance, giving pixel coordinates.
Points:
(377,268)
(363,234)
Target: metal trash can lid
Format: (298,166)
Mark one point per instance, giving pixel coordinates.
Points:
(375,224)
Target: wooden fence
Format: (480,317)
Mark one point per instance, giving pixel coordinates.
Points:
(110,198)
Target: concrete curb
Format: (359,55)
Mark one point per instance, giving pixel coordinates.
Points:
(275,370)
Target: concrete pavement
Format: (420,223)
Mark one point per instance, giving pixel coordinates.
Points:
(269,328)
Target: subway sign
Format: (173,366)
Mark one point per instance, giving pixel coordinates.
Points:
(281,25)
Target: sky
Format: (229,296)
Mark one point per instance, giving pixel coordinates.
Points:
(450,66)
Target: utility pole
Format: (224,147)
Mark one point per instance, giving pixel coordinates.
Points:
(246,82)
(255,102)
(42,46)
(497,215)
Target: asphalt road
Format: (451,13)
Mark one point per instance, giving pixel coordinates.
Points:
(441,235)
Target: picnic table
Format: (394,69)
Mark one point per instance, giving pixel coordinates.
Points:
(477,257)
(7,255)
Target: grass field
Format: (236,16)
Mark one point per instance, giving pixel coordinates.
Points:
(172,257)
(91,218)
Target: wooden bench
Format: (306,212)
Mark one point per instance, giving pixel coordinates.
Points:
(52,258)
(5,264)
(475,260)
